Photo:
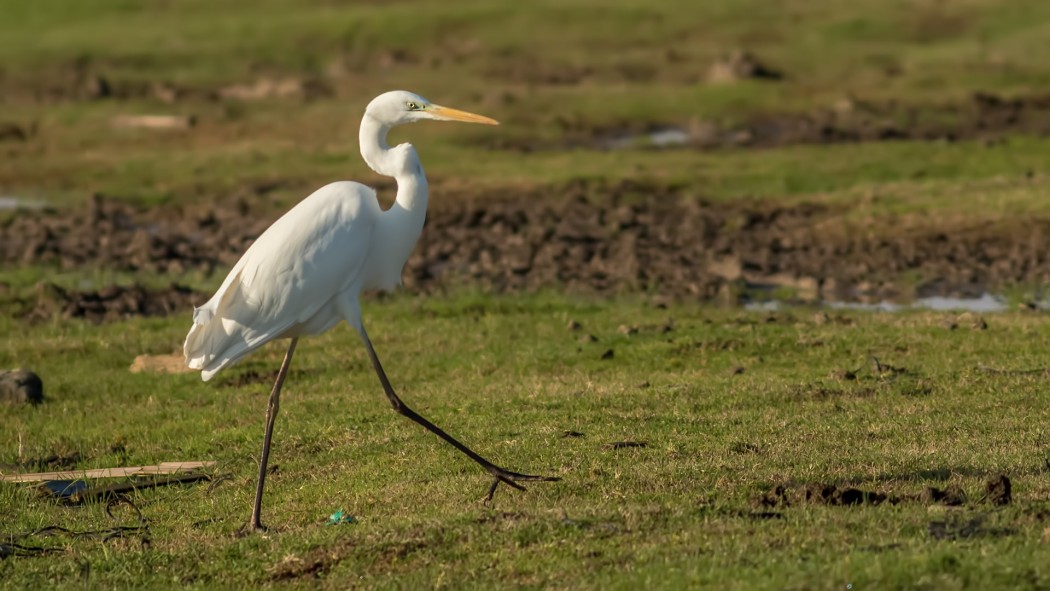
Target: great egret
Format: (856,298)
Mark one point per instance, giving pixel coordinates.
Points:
(305,272)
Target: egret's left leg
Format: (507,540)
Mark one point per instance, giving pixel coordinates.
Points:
(501,474)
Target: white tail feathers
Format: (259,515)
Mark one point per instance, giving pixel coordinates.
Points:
(226,329)
(204,340)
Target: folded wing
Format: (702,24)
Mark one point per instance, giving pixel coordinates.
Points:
(288,279)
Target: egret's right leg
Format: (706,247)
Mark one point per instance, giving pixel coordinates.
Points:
(271,417)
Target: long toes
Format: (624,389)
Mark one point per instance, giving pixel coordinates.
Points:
(530,477)
(492,491)
(509,482)
(507,474)
(495,485)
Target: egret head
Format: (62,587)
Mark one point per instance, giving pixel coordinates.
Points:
(399,106)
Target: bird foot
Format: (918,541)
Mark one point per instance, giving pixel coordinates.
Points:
(511,479)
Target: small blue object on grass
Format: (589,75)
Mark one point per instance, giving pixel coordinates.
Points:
(338,517)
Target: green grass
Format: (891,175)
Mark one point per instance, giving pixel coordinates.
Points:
(508,377)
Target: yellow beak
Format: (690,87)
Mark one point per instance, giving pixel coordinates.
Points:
(450,114)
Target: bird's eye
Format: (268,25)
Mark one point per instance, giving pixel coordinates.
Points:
(414,106)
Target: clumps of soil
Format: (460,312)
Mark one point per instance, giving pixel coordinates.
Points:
(997,491)
(952,496)
(590,236)
(817,493)
(111,234)
(111,303)
(645,236)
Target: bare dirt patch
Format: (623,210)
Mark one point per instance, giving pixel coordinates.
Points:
(651,237)
(585,236)
(110,303)
(819,493)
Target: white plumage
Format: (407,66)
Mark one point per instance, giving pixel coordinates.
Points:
(305,273)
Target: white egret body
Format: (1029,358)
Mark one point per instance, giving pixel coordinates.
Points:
(305,273)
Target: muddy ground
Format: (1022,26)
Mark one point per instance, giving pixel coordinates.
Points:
(981,116)
(585,236)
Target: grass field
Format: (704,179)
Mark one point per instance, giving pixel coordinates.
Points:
(724,404)
(509,377)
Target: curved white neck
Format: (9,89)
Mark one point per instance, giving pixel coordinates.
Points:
(374,148)
(403,165)
(403,222)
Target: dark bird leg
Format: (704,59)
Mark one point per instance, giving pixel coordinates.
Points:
(501,474)
(271,417)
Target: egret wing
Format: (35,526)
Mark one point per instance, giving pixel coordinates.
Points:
(288,277)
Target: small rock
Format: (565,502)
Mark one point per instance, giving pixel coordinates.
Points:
(588,338)
(736,371)
(573,325)
(627,330)
(609,353)
(20,386)
(572,434)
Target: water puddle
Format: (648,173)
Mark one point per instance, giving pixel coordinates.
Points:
(8,203)
(983,304)
(666,137)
